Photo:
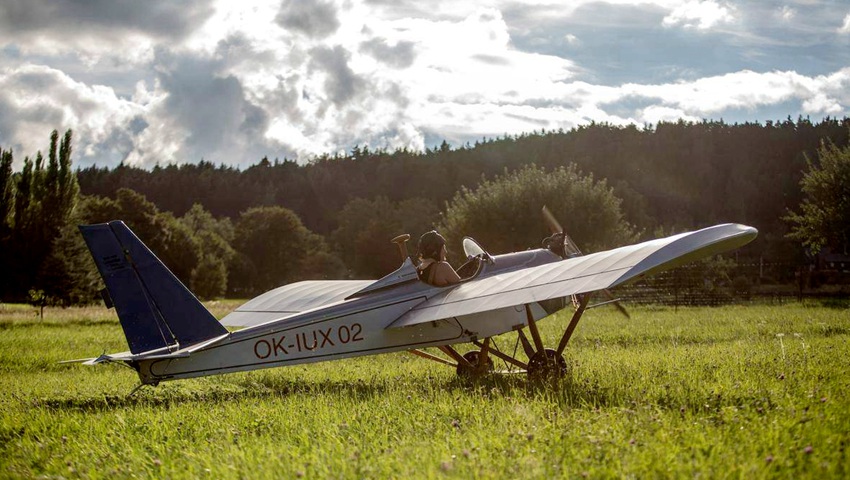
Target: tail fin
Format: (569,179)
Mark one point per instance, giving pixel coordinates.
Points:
(155,309)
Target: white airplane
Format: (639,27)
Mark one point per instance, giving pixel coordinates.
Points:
(172,336)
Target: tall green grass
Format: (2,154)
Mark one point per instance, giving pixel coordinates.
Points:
(756,391)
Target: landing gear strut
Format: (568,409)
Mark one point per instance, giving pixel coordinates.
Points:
(542,362)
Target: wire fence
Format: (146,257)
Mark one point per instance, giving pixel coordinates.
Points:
(722,282)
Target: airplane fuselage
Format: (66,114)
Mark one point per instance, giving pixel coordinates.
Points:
(352,327)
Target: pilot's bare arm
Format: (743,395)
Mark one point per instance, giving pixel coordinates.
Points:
(444,274)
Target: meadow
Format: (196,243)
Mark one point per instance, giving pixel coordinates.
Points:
(756,391)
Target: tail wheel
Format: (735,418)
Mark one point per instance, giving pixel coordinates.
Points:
(547,363)
(474,369)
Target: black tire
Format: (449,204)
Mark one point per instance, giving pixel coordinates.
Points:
(474,371)
(547,364)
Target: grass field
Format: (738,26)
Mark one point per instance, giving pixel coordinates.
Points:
(733,392)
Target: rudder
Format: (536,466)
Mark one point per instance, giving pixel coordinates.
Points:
(155,309)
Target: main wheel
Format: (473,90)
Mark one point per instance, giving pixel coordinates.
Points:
(472,357)
(547,364)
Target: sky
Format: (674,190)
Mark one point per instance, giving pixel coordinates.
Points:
(161,81)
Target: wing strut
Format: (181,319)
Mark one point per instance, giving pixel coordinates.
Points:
(573,322)
(532,327)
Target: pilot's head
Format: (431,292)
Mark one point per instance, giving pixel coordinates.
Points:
(430,245)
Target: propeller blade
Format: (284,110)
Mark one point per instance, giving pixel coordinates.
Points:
(551,221)
(570,247)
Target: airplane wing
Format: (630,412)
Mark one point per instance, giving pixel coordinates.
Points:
(291,299)
(584,274)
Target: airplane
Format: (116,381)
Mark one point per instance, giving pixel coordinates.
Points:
(172,336)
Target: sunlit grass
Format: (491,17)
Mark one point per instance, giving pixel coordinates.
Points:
(757,391)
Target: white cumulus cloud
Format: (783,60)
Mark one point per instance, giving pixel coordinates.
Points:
(845,27)
(36,99)
(699,14)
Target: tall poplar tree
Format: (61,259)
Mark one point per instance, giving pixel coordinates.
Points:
(7,192)
(37,207)
(7,205)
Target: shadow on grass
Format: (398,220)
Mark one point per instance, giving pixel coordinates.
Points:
(173,395)
(566,392)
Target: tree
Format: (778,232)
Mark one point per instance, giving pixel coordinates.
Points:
(39,204)
(209,277)
(272,247)
(367,226)
(505,214)
(7,205)
(824,218)
(7,192)
(68,275)
(168,238)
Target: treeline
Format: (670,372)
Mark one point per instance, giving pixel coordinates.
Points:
(675,174)
(226,231)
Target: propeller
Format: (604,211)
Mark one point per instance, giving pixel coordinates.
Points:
(560,234)
(570,250)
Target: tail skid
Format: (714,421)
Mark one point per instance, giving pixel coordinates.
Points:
(158,314)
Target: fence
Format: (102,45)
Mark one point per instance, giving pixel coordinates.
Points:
(720,282)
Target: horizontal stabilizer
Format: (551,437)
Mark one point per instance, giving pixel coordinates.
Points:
(160,354)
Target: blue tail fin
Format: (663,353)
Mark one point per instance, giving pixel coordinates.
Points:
(155,309)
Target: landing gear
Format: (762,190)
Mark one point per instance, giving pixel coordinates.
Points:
(547,364)
(477,364)
(542,362)
(469,365)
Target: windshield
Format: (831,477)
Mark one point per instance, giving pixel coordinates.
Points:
(471,248)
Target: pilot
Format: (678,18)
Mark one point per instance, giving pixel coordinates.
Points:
(433,267)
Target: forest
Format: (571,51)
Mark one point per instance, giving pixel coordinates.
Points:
(234,232)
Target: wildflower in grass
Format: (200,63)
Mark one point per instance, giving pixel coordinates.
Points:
(769,459)
(808,450)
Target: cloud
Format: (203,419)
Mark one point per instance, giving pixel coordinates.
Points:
(786,13)
(157,17)
(231,82)
(200,111)
(36,99)
(400,55)
(97,27)
(750,90)
(313,18)
(845,27)
(699,14)
(341,84)
(657,113)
